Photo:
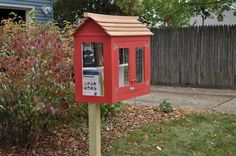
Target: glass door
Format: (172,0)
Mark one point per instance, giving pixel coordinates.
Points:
(124,73)
(93,69)
(131,66)
(124,67)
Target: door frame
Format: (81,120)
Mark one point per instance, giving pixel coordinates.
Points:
(132,65)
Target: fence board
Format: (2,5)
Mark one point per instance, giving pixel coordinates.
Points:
(194,56)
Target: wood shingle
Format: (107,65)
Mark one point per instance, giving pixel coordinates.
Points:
(118,25)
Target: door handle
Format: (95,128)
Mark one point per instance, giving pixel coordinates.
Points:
(133,81)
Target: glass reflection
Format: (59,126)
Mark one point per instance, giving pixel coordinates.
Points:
(123,67)
(93,69)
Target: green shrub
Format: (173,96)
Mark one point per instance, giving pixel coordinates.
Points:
(109,109)
(166,107)
(36,88)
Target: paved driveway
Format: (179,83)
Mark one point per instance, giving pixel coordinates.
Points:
(191,98)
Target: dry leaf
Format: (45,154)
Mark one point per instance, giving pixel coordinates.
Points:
(158,148)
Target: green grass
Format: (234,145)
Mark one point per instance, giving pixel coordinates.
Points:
(202,135)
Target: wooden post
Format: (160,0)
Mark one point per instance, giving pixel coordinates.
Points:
(94,130)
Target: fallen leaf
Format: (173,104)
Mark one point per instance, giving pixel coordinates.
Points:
(2,107)
(158,148)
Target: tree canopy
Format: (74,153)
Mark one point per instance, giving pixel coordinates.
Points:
(166,12)
(179,12)
(156,12)
(69,10)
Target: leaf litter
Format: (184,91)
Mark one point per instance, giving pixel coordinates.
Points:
(67,140)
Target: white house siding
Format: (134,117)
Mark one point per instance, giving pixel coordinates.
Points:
(229,19)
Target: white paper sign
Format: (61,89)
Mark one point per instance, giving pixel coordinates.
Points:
(92,84)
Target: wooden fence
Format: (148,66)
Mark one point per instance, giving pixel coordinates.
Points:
(195,56)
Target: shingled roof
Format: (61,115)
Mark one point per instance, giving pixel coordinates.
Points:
(119,25)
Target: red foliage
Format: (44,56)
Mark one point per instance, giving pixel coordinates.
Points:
(36,62)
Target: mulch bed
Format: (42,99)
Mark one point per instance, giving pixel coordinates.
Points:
(66,140)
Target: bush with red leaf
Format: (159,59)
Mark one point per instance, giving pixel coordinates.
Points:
(35,79)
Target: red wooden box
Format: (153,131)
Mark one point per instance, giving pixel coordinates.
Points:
(112,58)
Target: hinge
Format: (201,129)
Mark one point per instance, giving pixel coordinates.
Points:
(116,91)
(115,46)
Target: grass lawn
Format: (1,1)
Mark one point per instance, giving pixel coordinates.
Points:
(212,135)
